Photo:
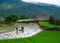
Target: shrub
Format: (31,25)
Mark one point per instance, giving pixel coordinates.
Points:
(11,18)
(23,16)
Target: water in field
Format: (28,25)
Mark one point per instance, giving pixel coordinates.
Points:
(29,31)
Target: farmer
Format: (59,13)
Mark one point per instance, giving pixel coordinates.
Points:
(22,29)
(17,30)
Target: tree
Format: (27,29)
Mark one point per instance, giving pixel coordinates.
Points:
(11,18)
(23,16)
(51,19)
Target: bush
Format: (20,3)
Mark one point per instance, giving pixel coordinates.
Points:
(11,18)
(23,16)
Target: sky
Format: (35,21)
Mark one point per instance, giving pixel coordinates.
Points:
(55,2)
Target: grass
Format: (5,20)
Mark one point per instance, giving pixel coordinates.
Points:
(11,26)
(43,37)
(47,24)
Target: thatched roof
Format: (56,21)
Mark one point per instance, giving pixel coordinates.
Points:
(40,17)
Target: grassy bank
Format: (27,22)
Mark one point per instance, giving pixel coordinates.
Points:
(11,26)
(43,37)
(47,24)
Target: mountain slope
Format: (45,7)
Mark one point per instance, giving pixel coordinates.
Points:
(19,7)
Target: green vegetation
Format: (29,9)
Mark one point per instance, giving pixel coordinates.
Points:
(9,22)
(11,18)
(23,16)
(47,24)
(43,37)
